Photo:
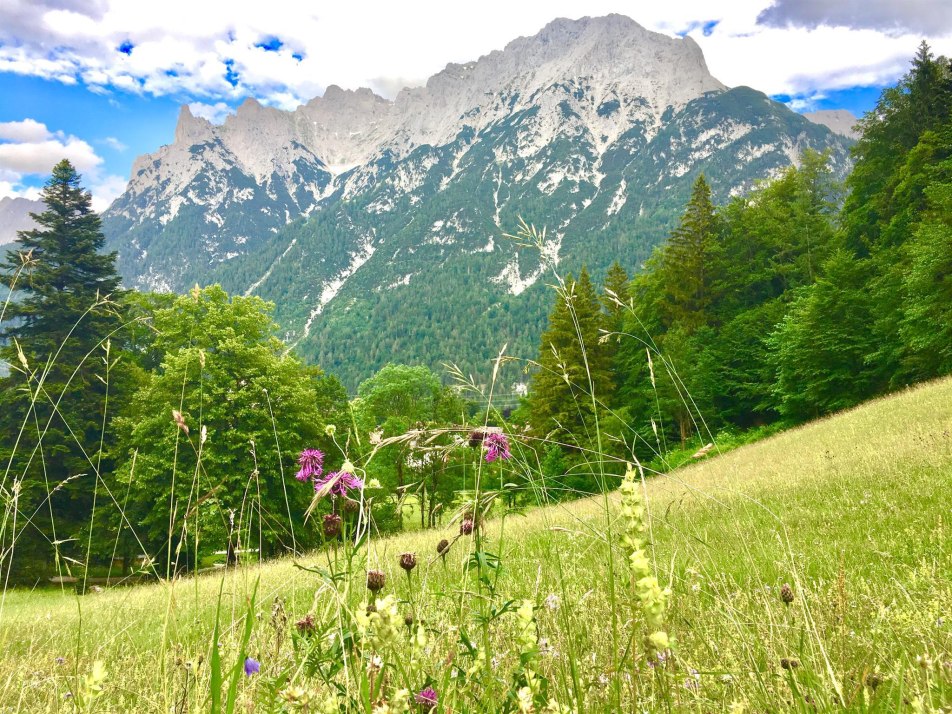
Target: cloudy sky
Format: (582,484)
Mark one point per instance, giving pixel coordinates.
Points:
(100,81)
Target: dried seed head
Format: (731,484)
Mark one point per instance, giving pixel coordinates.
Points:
(786,594)
(466,527)
(376,579)
(873,680)
(408,620)
(789,662)
(442,546)
(332,523)
(351,506)
(408,561)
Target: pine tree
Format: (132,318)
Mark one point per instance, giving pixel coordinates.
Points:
(56,338)
(574,364)
(687,262)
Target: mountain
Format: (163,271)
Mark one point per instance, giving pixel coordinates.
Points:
(840,121)
(377,227)
(15,216)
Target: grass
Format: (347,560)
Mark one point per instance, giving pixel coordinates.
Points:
(852,512)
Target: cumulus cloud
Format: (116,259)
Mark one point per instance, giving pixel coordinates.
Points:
(107,190)
(215,113)
(29,150)
(26,130)
(284,52)
(927,17)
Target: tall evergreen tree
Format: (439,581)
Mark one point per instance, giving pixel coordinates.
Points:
(574,364)
(56,340)
(687,261)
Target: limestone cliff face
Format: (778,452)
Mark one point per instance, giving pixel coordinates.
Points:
(352,203)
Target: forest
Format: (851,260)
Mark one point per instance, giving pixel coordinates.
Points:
(154,433)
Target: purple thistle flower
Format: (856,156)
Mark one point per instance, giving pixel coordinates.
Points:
(497,447)
(337,483)
(426,698)
(252,666)
(312,465)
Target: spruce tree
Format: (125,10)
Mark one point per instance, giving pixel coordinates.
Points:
(56,341)
(574,364)
(688,260)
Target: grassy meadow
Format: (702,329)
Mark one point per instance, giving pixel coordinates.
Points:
(852,513)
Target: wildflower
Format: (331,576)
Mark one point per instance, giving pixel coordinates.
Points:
(524,700)
(442,547)
(376,437)
(305,625)
(337,483)
(60,660)
(252,666)
(408,561)
(311,462)
(330,430)
(786,594)
(374,483)
(376,579)
(378,623)
(466,527)
(552,602)
(426,698)
(497,447)
(652,598)
(331,526)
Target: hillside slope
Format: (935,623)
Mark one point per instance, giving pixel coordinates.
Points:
(852,512)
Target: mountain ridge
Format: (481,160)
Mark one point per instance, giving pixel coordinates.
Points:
(352,204)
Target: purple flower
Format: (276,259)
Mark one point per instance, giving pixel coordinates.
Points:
(337,483)
(497,447)
(426,698)
(252,666)
(312,465)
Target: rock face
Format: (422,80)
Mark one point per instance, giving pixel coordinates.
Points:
(839,121)
(377,227)
(15,216)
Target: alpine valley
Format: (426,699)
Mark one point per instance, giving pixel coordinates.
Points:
(378,227)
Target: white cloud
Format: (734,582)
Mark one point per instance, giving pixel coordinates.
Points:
(106,191)
(210,51)
(26,130)
(215,113)
(15,190)
(114,143)
(29,150)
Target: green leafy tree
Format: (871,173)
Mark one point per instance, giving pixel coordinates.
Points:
(57,339)
(821,347)
(926,324)
(395,400)
(210,441)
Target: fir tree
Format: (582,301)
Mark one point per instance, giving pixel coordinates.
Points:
(56,338)
(687,261)
(574,365)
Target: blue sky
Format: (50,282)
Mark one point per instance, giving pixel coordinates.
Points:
(102,81)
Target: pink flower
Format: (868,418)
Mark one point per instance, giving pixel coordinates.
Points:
(312,465)
(337,483)
(497,447)
(426,698)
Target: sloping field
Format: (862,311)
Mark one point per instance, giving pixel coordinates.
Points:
(853,513)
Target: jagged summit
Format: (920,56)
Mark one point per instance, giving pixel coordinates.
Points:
(353,209)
